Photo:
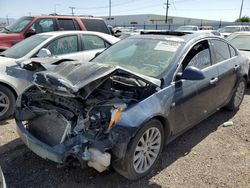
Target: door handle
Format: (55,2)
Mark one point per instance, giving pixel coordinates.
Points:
(236,67)
(214,80)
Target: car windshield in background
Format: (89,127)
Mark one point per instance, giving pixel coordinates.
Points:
(23,48)
(19,25)
(229,29)
(150,57)
(242,42)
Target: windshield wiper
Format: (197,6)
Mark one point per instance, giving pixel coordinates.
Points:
(2,55)
(245,50)
(7,29)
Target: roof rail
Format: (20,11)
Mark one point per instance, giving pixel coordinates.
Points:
(53,14)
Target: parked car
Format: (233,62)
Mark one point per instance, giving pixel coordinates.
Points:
(79,45)
(206,27)
(188,28)
(241,40)
(120,108)
(227,30)
(29,25)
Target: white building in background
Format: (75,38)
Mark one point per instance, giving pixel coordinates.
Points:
(141,20)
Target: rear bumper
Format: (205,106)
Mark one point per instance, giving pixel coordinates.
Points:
(41,149)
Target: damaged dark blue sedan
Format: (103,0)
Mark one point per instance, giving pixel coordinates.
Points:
(120,109)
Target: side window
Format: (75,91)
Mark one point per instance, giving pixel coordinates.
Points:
(232,51)
(198,56)
(95,25)
(63,45)
(91,42)
(67,24)
(43,25)
(221,51)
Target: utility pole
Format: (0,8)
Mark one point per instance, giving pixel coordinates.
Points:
(167,7)
(7,18)
(242,2)
(55,5)
(109,11)
(72,10)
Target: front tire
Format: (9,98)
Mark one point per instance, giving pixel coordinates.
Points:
(7,102)
(237,98)
(144,150)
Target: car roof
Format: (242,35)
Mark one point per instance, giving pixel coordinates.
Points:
(58,33)
(242,33)
(105,36)
(64,16)
(237,26)
(188,26)
(175,35)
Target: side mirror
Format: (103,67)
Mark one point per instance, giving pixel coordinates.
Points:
(30,32)
(192,73)
(43,53)
(98,53)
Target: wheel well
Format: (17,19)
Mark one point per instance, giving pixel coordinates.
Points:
(246,77)
(9,87)
(165,124)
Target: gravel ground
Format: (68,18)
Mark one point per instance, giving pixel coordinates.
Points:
(208,155)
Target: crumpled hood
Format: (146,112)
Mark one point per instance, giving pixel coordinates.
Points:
(70,77)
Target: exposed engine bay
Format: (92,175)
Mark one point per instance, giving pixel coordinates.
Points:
(85,126)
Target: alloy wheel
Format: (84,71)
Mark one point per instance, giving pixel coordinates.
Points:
(147,150)
(239,94)
(4,103)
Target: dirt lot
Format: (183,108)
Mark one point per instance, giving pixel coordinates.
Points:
(209,155)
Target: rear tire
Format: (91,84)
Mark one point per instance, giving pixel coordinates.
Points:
(7,102)
(143,150)
(237,98)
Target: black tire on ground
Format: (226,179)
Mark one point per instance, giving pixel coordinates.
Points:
(129,164)
(234,103)
(11,101)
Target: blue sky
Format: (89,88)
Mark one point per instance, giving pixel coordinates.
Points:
(226,10)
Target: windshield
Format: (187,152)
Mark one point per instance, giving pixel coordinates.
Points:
(229,29)
(150,57)
(19,25)
(24,47)
(242,42)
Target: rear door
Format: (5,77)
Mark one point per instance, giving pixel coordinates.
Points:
(195,99)
(225,59)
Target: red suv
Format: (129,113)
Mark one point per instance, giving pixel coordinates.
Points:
(27,26)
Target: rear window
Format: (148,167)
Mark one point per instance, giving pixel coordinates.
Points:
(95,25)
(221,51)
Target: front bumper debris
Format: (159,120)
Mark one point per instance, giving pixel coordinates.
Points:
(41,149)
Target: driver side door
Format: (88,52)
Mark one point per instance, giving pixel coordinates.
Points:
(194,99)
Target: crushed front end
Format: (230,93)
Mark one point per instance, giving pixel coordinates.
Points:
(60,121)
